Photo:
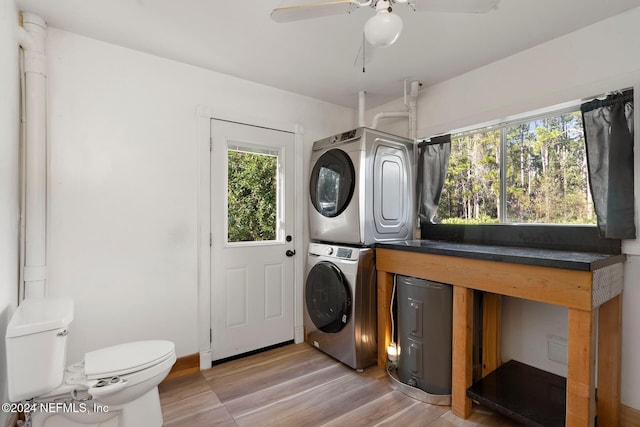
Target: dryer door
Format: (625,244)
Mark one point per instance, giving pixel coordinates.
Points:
(332,183)
(392,197)
(328,297)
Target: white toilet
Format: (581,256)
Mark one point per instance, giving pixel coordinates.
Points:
(113,386)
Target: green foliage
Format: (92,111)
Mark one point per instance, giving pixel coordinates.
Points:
(252,196)
(546,175)
(472,184)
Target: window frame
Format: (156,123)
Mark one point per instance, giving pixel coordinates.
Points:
(502,126)
(578,237)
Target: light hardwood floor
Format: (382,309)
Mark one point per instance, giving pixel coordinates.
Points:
(297,385)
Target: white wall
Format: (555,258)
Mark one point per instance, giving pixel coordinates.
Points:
(123,172)
(591,61)
(9,178)
(123,178)
(561,70)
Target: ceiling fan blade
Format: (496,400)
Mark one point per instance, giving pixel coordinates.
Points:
(454,6)
(297,10)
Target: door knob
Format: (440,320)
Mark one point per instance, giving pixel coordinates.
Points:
(290,253)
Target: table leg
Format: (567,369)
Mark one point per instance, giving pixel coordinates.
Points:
(462,350)
(385,286)
(609,355)
(581,368)
(491,332)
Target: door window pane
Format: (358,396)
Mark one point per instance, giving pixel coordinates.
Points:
(252,196)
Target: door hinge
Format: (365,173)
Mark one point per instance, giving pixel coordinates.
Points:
(210,144)
(210,239)
(210,335)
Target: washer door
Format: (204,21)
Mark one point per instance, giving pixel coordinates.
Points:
(328,297)
(332,183)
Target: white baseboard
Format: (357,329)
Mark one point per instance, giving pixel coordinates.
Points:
(205,360)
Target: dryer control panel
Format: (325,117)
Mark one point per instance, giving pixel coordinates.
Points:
(338,139)
(345,136)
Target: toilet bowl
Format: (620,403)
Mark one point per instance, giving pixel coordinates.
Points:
(112,386)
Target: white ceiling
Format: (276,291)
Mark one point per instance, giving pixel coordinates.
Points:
(316,57)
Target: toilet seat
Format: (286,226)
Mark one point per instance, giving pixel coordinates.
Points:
(123,359)
(115,367)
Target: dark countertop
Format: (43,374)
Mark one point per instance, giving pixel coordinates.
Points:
(585,261)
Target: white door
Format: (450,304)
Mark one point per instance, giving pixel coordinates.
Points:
(252,224)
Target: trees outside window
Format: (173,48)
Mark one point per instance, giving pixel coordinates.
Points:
(472,187)
(527,172)
(252,196)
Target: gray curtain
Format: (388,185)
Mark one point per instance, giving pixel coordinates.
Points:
(608,126)
(433,161)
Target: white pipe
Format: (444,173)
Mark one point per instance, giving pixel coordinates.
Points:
(361,108)
(23,156)
(410,113)
(387,115)
(413,110)
(32,40)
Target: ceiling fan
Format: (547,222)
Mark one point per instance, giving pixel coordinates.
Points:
(383,28)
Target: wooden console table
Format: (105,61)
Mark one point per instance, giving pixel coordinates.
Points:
(588,284)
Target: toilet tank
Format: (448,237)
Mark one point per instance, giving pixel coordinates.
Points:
(36,343)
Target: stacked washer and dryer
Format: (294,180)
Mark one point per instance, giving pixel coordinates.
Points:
(360,192)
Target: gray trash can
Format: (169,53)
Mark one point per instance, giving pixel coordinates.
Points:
(425,320)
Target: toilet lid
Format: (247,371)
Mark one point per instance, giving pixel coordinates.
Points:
(126,358)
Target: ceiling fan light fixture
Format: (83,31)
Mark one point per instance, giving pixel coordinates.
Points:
(383,28)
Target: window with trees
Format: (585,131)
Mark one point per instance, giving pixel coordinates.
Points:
(252,195)
(529,171)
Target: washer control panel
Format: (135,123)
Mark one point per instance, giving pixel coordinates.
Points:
(327,250)
(344,252)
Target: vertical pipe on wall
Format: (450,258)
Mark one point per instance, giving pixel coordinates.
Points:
(413,135)
(32,39)
(361,108)
(413,110)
